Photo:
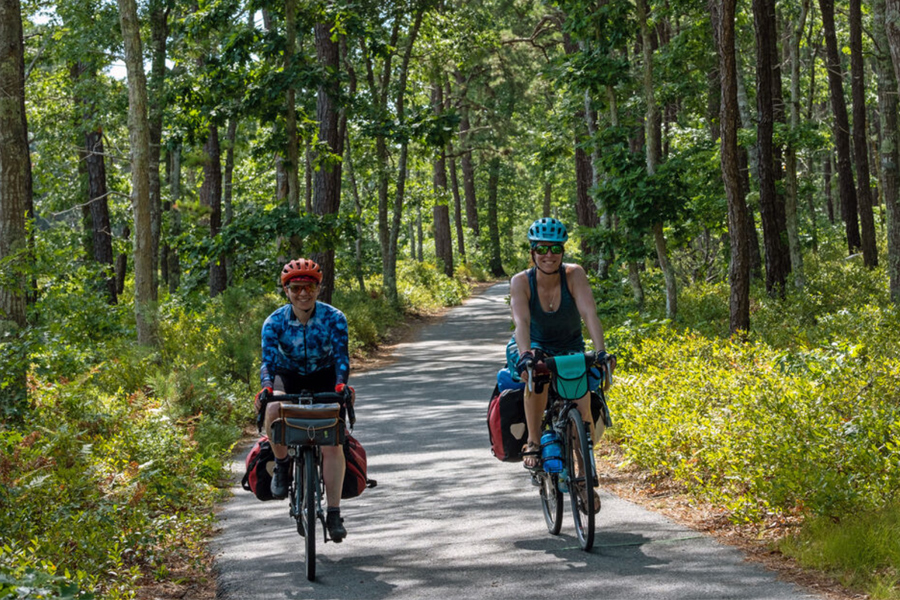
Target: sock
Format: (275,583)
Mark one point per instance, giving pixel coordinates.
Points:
(336,511)
(282,461)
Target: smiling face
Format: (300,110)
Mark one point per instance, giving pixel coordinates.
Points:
(548,256)
(302,294)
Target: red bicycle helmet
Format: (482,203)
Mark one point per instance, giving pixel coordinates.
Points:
(301,267)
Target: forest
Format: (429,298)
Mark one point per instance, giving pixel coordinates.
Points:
(728,172)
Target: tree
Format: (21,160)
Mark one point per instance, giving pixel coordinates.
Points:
(327,194)
(443,245)
(139,128)
(770,207)
(15,200)
(723,21)
(860,145)
(841,128)
(887,38)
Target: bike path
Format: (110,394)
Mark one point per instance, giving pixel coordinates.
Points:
(448,520)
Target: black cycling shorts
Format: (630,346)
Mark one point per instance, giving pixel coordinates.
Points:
(318,382)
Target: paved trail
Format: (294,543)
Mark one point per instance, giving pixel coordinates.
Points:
(448,520)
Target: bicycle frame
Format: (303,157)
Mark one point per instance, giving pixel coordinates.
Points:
(563,416)
(307,489)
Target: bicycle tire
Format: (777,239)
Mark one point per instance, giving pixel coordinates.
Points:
(551,502)
(297,496)
(308,510)
(579,443)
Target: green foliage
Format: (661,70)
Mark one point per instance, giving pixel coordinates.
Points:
(423,285)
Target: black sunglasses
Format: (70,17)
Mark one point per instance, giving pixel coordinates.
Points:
(555,249)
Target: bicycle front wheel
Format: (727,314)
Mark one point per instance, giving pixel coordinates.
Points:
(551,502)
(582,475)
(308,509)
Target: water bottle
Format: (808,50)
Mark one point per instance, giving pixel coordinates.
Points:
(551,452)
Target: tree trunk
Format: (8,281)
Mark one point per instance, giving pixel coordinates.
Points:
(290,116)
(860,143)
(390,261)
(15,193)
(457,206)
(228,191)
(776,254)
(723,21)
(327,190)
(653,150)
(357,203)
(159,32)
(468,168)
(826,175)
(887,25)
(841,128)
(496,263)
(791,198)
(139,136)
(211,196)
(97,196)
(93,165)
(443,246)
(173,261)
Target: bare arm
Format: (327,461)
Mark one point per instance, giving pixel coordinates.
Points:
(584,300)
(521,312)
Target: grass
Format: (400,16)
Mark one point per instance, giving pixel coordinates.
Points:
(861,550)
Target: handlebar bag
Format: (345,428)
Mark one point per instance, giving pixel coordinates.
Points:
(571,380)
(308,424)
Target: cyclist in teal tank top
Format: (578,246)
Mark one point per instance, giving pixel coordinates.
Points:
(549,302)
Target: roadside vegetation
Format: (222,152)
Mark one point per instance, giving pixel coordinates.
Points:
(108,483)
(798,423)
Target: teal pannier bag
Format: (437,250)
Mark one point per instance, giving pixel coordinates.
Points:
(571,376)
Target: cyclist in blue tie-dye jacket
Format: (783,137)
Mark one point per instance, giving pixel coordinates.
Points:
(304,347)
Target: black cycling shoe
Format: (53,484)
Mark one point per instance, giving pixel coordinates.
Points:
(281,478)
(335,525)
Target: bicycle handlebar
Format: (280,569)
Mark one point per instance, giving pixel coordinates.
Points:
(343,398)
(600,360)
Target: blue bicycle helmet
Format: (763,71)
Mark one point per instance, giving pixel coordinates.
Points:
(547,230)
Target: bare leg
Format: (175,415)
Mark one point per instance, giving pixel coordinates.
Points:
(535,404)
(333,467)
(279,450)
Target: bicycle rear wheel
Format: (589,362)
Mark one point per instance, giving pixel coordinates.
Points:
(308,509)
(551,502)
(581,488)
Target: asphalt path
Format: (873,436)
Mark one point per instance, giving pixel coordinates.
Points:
(449,520)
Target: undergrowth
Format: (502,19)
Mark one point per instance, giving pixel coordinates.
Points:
(109,478)
(800,419)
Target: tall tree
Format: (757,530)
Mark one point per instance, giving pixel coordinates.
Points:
(652,127)
(723,21)
(327,191)
(159,33)
(496,263)
(15,200)
(841,128)
(860,143)
(139,136)
(443,246)
(211,196)
(468,167)
(791,197)
(770,207)
(887,40)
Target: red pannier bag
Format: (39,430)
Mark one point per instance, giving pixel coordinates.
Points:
(507,428)
(355,475)
(260,465)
